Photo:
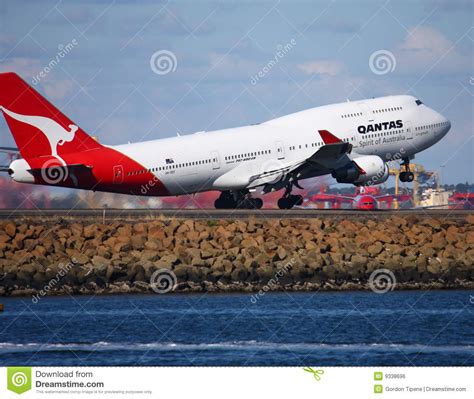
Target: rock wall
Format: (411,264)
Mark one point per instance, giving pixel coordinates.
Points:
(242,255)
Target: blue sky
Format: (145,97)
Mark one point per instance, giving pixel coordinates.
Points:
(106,83)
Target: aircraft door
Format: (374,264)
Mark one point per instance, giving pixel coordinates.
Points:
(367,114)
(408,130)
(118,174)
(359,140)
(280,150)
(354,139)
(215,160)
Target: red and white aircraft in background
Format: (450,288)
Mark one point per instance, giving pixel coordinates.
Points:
(271,156)
(365,198)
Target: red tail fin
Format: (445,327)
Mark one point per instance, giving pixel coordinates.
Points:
(38,127)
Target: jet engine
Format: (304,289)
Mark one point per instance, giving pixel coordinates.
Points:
(363,171)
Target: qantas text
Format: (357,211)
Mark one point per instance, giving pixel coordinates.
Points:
(378,127)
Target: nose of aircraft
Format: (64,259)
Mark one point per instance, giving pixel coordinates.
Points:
(446,124)
(440,119)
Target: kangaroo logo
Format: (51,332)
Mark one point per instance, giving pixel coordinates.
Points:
(54,132)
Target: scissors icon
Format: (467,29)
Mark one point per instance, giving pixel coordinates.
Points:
(316,373)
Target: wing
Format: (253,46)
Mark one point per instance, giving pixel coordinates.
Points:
(10,150)
(331,197)
(388,197)
(332,155)
(275,174)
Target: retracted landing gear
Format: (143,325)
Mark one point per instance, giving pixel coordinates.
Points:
(407,175)
(237,200)
(289,200)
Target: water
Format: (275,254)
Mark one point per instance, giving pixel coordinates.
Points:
(341,328)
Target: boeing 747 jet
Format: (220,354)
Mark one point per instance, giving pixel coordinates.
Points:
(351,141)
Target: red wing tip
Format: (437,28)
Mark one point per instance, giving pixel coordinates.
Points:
(362,171)
(328,137)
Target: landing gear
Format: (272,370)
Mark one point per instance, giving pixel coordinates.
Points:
(225,201)
(254,203)
(406,176)
(237,200)
(289,200)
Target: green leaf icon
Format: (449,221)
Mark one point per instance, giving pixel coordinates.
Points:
(19,379)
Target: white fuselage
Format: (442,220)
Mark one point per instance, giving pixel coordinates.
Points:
(223,159)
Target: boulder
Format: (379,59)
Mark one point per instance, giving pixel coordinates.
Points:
(281,253)
(80,258)
(10,229)
(100,261)
(148,255)
(375,249)
(89,231)
(137,241)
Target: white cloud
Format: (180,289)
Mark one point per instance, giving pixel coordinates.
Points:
(231,66)
(323,67)
(425,48)
(57,89)
(25,67)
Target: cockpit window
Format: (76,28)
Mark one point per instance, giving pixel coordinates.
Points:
(418,102)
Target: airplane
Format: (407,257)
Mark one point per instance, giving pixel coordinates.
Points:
(351,141)
(365,199)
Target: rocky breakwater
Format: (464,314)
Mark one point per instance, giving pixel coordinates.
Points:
(242,255)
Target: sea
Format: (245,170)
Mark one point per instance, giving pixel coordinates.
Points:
(398,328)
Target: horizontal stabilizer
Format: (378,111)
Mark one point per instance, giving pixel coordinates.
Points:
(59,174)
(68,168)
